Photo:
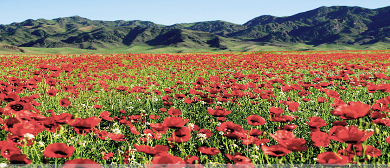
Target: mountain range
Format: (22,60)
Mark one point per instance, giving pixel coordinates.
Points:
(324,25)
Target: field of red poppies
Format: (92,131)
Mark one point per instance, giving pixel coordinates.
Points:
(199,108)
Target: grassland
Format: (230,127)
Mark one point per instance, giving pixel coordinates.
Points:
(233,47)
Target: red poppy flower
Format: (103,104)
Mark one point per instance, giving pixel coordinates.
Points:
(280,118)
(137,118)
(105,115)
(67,88)
(331,93)
(133,129)
(232,130)
(88,163)
(174,122)
(103,135)
(255,120)
(352,110)
(218,112)
(248,140)
(107,156)
(180,96)
(351,151)
(209,150)
(52,92)
(20,129)
(63,118)
(238,158)
(10,97)
(154,117)
(315,123)
(97,106)
(117,137)
(337,102)
(18,140)
(191,159)
(50,125)
(16,106)
(276,111)
(378,115)
(150,135)
(64,102)
(25,116)
(83,126)
(9,150)
(289,127)
(166,158)
(188,101)
(19,159)
(151,150)
(288,140)
(275,150)
(332,158)
(181,135)
(320,139)
(58,150)
(388,139)
(322,99)
(206,132)
(255,133)
(158,128)
(9,123)
(339,123)
(293,106)
(350,135)
(372,151)
(174,112)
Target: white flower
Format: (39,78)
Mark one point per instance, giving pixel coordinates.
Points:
(41,143)
(84,143)
(29,136)
(3,165)
(201,136)
(191,125)
(116,131)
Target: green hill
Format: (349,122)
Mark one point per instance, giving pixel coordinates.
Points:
(324,26)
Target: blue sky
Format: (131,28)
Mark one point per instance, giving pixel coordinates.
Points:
(166,12)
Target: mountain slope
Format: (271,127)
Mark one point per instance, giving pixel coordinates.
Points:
(324,25)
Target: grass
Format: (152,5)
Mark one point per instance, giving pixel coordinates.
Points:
(232,47)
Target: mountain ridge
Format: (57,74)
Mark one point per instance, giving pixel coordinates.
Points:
(323,25)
